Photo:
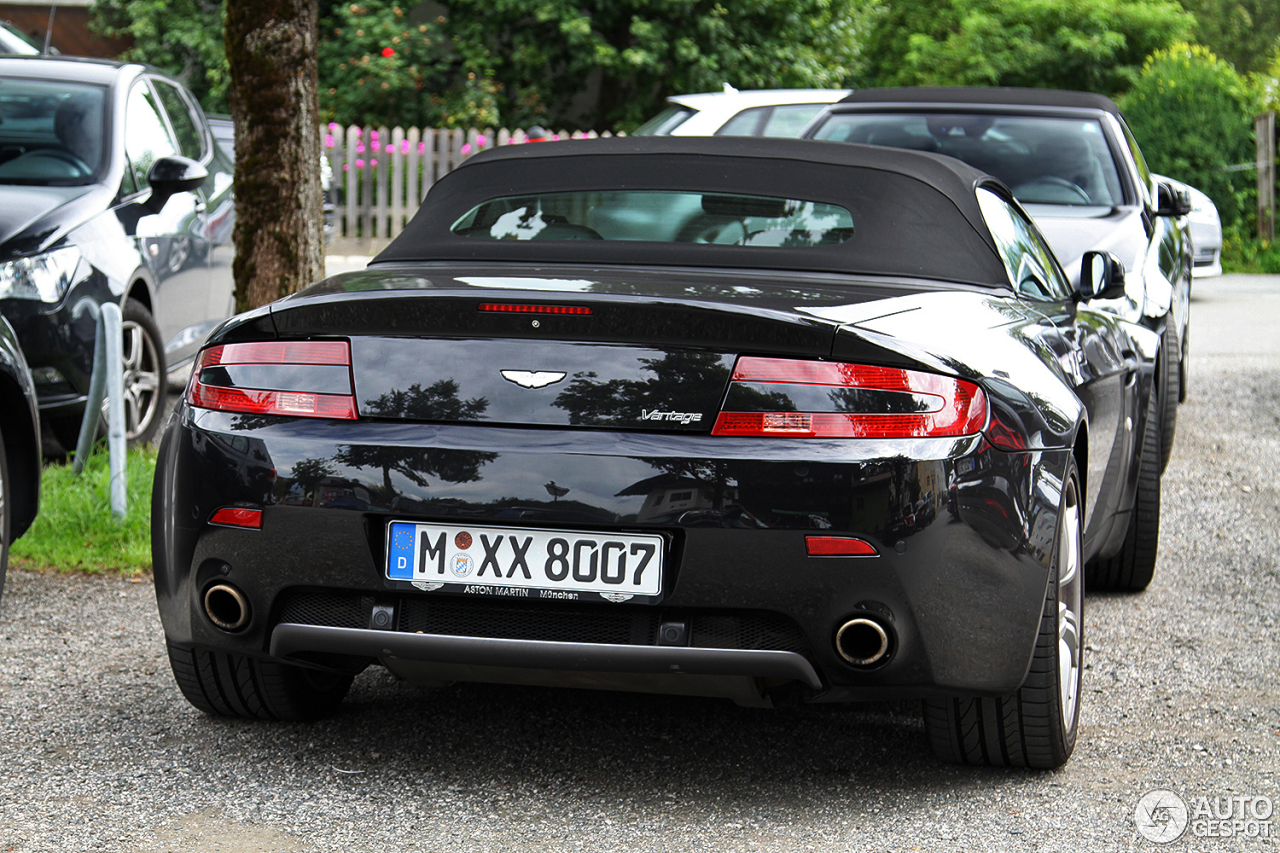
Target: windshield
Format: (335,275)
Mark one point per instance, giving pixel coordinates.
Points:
(665,122)
(1043,160)
(51,132)
(659,216)
(14,40)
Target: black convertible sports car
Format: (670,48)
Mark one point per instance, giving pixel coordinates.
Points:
(764,419)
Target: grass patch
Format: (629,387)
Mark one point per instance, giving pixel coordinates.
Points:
(75,530)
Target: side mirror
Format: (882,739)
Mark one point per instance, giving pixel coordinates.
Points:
(172,175)
(1171,200)
(1101,277)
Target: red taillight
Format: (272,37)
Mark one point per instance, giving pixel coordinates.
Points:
(279,352)
(838,546)
(236,516)
(525,308)
(228,395)
(905,403)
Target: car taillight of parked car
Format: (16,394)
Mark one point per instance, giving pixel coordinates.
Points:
(309,379)
(795,398)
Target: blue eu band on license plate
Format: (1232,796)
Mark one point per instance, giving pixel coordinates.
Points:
(525,562)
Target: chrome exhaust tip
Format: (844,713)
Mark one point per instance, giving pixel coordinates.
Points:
(226,607)
(862,641)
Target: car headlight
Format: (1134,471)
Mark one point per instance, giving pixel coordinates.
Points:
(45,277)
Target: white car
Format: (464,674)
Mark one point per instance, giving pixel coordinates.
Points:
(1205,228)
(1206,235)
(761,112)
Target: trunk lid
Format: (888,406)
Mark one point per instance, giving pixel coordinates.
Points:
(655,352)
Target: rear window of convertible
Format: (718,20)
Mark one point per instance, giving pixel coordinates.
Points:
(659,216)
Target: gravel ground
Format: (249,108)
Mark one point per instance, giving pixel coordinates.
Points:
(99,752)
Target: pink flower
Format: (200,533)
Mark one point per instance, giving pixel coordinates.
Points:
(391,147)
(481,140)
(359,131)
(373,162)
(334,127)
(359,163)
(328,140)
(359,147)
(404,147)
(422,147)
(373,134)
(466,148)
(346,167)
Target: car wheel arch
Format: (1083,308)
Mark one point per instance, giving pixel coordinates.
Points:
(1080,452)
(140,291)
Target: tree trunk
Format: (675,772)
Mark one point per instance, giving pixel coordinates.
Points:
(279,239)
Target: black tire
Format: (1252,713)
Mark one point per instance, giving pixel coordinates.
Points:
(1035,727)
(1168,392)
(6,515)
(228,685)
(146,383)
(1132,569)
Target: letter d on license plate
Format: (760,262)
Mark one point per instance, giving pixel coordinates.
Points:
(526,562)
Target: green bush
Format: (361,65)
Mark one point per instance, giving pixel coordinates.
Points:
(1244,252)
(1193,116)
(1091,45)
(380,67)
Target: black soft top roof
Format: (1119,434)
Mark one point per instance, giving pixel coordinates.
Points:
(915,214)
(985,95)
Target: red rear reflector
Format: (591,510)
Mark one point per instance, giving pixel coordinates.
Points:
(839,546)
(269,402)
(510,308)
(930,405)
(234,516)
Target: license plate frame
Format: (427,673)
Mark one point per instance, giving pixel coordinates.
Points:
(526,562)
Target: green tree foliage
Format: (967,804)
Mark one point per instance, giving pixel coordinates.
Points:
(184,37)
(378,66)
(1193,116)
(627,56)
(1090,45)
(517,62)
(1245,33)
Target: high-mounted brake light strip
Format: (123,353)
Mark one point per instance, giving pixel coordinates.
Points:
(525,308)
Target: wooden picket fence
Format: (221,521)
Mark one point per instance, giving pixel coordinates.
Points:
(381,175)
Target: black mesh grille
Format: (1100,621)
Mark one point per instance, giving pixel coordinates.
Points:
(571,623)
(326,607)
(747,631)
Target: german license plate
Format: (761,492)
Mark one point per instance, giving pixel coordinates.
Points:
(525,562)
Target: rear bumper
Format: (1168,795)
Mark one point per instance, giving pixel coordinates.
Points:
(961,594)
(290,639)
